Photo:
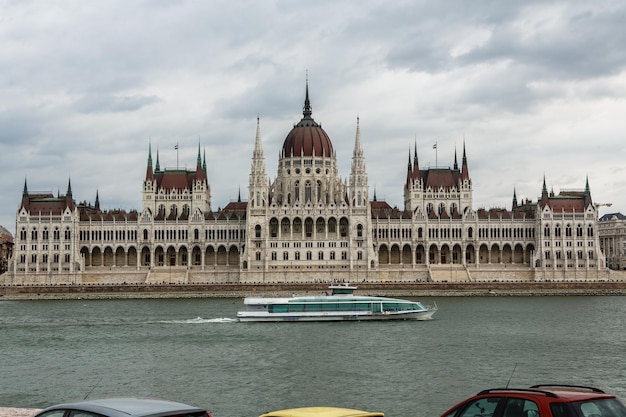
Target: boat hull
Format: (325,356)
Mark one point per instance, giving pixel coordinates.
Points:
(277,317)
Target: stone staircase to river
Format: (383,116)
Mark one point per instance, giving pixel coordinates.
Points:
(167,275)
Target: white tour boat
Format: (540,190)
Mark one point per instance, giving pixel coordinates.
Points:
(341,305)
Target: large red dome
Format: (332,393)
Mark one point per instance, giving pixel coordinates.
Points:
(307,138)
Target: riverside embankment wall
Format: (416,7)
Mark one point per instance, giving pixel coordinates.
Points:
(104,291)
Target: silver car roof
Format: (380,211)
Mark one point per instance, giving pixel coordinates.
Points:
(124,407)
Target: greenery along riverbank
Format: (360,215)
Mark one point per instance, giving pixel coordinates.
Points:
(107,291)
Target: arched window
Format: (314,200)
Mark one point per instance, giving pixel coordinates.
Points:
(33,234)
(546,231)
(557,230)
(307,191)
(257,231)
(359,230)
(145,234)
(442,208)
(429,208)
(68,234)
(297,192)
(319,191)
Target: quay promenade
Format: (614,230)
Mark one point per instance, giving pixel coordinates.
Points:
(137,291)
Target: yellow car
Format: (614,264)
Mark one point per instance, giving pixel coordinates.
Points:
(322,412)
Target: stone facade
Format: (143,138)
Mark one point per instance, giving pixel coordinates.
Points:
(612,232)
(308,225)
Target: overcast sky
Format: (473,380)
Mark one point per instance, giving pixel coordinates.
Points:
(532,88)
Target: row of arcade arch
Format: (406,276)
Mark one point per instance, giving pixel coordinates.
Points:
(455,254)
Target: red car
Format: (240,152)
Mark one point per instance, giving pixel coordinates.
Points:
(540,401)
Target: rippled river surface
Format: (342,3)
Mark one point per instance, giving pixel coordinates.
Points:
(194,351)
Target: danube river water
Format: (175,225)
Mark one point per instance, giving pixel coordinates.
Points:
(194,351)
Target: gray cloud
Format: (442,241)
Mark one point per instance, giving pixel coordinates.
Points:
(535,88)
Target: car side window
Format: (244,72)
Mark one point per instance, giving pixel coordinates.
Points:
(518,407)
(482,407)
(52,413)
(80,413)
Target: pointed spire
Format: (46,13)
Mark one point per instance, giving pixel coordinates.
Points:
(239,195)
(307,111)
(587,189)
(544,189)
(149,171)
(25,192)
(416,167)
(157,168)
(456,165)
(409,177)
(375,194)
(464,169)
(204,161)
(97,206)
(69,188)
(199,162)
(514,198)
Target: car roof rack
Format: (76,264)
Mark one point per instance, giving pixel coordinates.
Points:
(580,387)
(531,389)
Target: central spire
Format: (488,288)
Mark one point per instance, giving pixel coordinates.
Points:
(307,111)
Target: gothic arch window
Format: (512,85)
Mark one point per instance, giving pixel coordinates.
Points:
(23,234)
(145,234)
(319,191)
(174,210)
(546,231)
(442,208)
(320,225)
(297,225)
(274,227)
(343,227)
(453,208)
(359,230)
(297,192)
(56,234)
(68,234)
(285,225)
(332,225)
(44,234)
(308,227)
(568,231)
(589,231)
(470,233)
(257,231)
(579,231)
(196,234)
(359,199)
(557,230)
(307,191)
(33,234)
(161,210)
(429,208)
(420,233)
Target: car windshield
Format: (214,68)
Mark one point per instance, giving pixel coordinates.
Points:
(606,407)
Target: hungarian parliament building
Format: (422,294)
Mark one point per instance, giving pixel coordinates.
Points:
(308,225)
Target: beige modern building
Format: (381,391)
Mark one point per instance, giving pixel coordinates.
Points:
(307,225)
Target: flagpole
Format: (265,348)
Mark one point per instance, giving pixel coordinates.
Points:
(176,156)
